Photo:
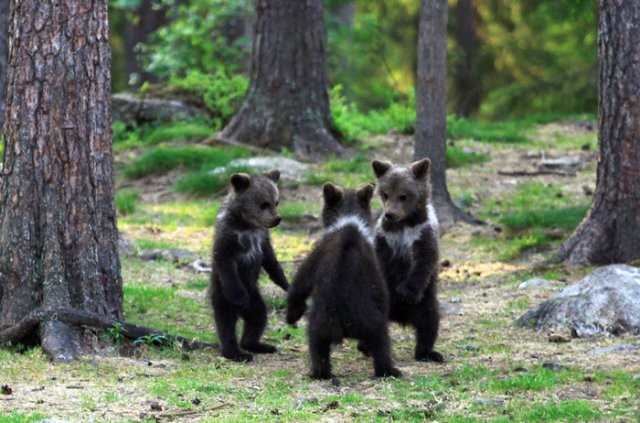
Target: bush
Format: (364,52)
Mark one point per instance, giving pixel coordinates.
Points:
(164,159)
(126,201)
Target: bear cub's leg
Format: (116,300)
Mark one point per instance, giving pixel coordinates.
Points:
(226,318)
(255,321)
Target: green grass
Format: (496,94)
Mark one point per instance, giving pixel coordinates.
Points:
(573,411)
(163,159)
(565,218)
(511,132)
(15,417)
(459,157)
(203,183)
(126,201)
(177,132)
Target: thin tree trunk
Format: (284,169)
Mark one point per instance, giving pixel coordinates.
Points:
(4,53)
(148,18)
(467,99)
(287,103)
(58,237)
(611,230)
(431,119)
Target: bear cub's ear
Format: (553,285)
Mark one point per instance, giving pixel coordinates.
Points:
(365,193)
(380,167)
(240,181)
(274,175)
(332,193)
(420,169)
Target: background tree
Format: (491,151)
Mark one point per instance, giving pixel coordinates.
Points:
(431,118)
(58,237)
(465,84)
(287,103)
(611,230)
(4,46)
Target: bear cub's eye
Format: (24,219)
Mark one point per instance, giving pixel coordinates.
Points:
(265,205)
(385,196)
(402,197)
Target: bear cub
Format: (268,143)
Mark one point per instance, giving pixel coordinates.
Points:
(241,248)
(346,285)
(406,241)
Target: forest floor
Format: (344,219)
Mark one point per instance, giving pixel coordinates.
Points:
(494,371)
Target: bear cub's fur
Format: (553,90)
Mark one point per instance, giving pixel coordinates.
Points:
(241,248)
(406,240)
(345,282)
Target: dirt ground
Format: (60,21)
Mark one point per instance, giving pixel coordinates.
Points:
(476,295)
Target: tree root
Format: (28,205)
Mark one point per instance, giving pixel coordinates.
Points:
(85,318)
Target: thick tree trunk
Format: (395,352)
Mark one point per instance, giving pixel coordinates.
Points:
(611,230)
(467,99)
(58,237)
(4,53)
(287,104)
(431,119)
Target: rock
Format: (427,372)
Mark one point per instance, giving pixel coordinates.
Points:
(489,402)
(125,246)
(536,283)
(289,168)
(131,109)
(172,255)
(567,164)
(622,348)
(606,301)
(554,367)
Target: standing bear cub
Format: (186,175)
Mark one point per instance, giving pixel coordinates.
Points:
(241,248)
(406,240)
(345,282)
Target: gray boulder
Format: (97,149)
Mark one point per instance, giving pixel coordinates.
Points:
(289,168)
(606,301)
(132,109)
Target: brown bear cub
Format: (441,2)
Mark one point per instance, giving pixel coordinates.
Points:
(406,241)
(240,249)
(345,282)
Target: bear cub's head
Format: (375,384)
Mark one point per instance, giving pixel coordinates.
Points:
(254,199)
(404,191)
(340,203)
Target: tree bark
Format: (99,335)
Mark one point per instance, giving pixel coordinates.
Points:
(4,53)
(467,98)
(58,237)
(287,103)
(431,117)
(611,230)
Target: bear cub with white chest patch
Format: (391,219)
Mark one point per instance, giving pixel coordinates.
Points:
(241,248)
(342,276)
(406,240)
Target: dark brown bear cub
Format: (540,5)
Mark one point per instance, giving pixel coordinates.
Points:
(240,249)
(343,277)
(406,240)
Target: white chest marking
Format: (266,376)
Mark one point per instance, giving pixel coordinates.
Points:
(352,220)
(254,240)
(401,242)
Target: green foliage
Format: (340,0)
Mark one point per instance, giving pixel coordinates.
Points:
(573,410)
(164,159)
(126,201)
(17,417)
(200,38)
(155,339)
(355,125)
(566,218)
(537,57)
(219,91)
(116,333)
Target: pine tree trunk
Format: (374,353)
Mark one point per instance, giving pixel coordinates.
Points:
(287,103)
(611,230)
(431,119)
(58,237)
(4,52)
(467,100)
